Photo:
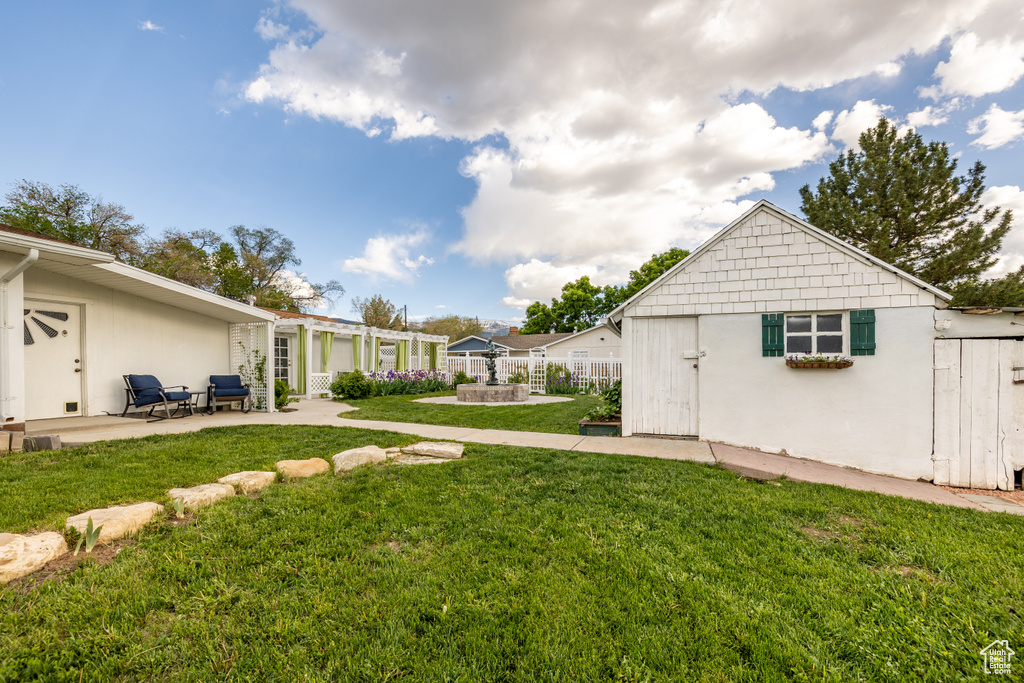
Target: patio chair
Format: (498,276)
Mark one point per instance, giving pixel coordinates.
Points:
(227,389)
(146,390)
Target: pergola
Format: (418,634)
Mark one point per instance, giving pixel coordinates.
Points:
(373,350)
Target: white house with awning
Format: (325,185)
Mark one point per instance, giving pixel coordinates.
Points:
(310,350)
(74,321)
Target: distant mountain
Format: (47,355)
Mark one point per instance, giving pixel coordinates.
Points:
(497,327)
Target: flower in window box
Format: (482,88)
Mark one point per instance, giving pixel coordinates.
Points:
(818,360)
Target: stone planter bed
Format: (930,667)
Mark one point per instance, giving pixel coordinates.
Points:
(608,428)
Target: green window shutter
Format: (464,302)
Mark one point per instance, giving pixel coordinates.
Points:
(773,337)
(862,333)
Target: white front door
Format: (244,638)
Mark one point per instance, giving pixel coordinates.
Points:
(54,363)
(663,389)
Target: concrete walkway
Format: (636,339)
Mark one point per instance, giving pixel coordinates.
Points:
(324,412)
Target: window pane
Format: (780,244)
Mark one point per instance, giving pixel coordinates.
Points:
(798,323)
(830,343)
(801,344)
(830,323)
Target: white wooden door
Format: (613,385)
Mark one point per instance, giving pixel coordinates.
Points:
(979,412)
(54,364)
(663,389)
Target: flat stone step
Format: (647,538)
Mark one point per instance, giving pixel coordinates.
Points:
(22,554)
(117,521)
(202,495)
(299,469)
(249,481)
(435,449)
(355,457)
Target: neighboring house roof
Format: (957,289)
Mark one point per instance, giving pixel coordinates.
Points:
(764,205)
(522,342)
(573,335)
(472,338)
(288,315)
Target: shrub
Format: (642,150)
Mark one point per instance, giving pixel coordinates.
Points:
(612,406)
(462,378)
(393,383)
(560,380)
(517,378)
(282,394)
(352,385)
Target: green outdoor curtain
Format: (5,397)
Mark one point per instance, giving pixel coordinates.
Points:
(376,354)
(326,347)
(432,355)
(300,352)
(357,351)
(401,353)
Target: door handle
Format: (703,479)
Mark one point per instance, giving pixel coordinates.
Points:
(78,369)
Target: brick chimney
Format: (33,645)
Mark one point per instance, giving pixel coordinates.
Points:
(512,329)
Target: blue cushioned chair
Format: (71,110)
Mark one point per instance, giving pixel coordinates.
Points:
(146,390)
(228,389)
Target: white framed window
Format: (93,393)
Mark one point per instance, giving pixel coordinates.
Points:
(815,333)
(281,362)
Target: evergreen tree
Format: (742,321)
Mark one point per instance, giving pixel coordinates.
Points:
(900,200)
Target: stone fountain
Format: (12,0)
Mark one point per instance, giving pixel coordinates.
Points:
(493,391)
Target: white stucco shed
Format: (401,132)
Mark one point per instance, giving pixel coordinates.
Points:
(74,321)
(705,348)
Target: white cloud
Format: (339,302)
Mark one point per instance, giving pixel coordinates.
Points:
(149,26)
(850,123)
(624,135)
(390,257)
(997,127)
(822,119)
(977,67)
(297,285)
(929,116)
(889,69)
(1012,253)
(440,306)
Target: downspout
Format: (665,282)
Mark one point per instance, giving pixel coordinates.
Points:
(5,325)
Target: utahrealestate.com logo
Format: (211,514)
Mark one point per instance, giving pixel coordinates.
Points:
(997,657)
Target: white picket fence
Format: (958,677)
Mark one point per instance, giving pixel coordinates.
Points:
(590,374)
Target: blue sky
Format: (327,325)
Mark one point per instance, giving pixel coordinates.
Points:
(471,158)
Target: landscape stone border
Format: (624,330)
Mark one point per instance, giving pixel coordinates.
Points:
(24,554)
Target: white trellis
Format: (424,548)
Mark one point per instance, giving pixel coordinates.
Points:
(414,355)
(388,357)
(250,358)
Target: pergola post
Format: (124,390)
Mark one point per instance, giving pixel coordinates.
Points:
(270,379)
(309,359)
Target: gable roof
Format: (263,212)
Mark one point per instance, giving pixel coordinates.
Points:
(764,205)
(474,337)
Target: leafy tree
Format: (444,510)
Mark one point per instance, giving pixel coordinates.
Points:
(583,304)
(378,312)
(900,200)
(71,214)
(454,326)
(185,257)
(1006,291)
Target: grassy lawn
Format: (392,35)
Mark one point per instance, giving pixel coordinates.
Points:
(554,418)
(512,564)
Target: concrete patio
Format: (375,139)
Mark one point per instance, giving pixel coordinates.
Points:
(324,412)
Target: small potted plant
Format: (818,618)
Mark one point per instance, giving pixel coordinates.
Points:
(606,419)
(818,360)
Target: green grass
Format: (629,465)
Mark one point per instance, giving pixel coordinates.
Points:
(553,418)
(513,565)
